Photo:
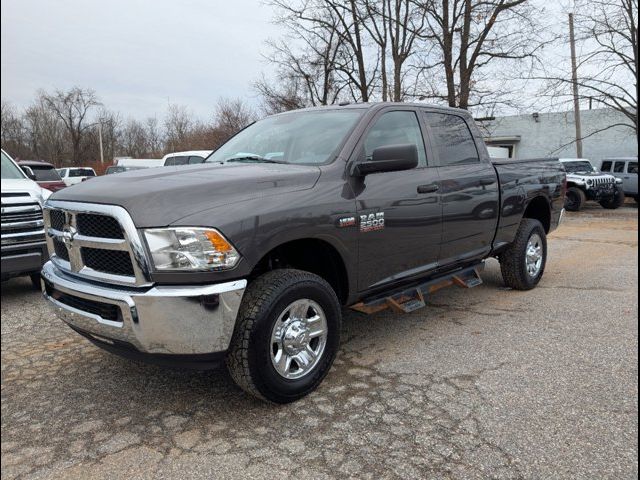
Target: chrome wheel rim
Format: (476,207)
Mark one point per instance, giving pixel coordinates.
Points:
(298,339)
(534,254)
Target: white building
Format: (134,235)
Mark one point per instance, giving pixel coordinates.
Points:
(553,135)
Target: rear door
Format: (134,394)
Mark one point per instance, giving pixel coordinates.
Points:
(398,215)
(468,189)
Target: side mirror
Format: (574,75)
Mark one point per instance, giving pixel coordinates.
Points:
(28,172)
(390,158)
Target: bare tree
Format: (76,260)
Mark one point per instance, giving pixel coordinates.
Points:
(133,139)
(72,107)
(177,123)
(13,132)
(46,133)
(471,39)
(231,116)
(396,26)
(608,63)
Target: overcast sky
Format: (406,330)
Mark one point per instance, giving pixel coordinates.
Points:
(137,55)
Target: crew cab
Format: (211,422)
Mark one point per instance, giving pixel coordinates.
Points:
(585,182)
(73,175)
(249,257)
(44,173)
(24,249)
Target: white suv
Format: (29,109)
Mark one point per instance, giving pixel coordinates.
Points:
(73,175)
(585,182)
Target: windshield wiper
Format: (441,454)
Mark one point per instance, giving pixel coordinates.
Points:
(252,159)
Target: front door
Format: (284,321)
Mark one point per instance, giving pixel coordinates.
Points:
(399,218)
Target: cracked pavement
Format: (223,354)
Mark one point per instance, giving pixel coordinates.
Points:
(484,383)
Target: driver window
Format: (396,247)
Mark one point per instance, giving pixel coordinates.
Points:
(396,128)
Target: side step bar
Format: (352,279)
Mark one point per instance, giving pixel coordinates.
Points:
(413,298)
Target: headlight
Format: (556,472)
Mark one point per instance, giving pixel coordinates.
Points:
(589,182)
(618,180)
(187,248)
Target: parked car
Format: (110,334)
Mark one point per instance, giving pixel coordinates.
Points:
(24,249)
(118,169)
(44,173)
(625,169)
(74,175)
(585,182)
(191,157)
(249,258)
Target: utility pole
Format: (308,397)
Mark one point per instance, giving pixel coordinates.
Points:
(574,81)
(100,139)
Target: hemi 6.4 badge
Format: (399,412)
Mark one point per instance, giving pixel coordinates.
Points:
(372,222)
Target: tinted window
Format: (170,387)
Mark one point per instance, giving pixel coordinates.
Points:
(81,172)
(578,167)
(618,167)
(176,161)
(396,128)
(46,174)
(452,139)
(195,159)
(633,167)
(606,166)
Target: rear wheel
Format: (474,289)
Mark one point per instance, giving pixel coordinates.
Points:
(522,263)
(286,336)
(614,202)
(574,199)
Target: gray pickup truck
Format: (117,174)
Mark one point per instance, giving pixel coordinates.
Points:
(249,257)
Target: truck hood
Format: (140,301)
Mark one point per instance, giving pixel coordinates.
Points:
(24,185)
(158,197)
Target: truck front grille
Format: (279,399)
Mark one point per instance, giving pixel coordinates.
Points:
(22,220)
(101,226)
(108,261)
(95,241)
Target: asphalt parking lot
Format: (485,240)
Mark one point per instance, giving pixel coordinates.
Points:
(486,383)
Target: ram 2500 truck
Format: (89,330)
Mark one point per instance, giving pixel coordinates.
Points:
(249,257)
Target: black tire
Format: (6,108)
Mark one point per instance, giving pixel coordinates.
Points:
(513,259)
(249,357)
(574,199)
(35,280)
(614,202)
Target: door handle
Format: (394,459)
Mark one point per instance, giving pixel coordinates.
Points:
(430,188)
(486,181)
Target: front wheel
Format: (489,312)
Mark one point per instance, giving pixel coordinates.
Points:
(286,336)
(615,201)
(574,199)
(522,263)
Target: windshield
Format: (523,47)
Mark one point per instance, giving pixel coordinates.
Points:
(10,170)
(578,167)
(46,174)
(310,138)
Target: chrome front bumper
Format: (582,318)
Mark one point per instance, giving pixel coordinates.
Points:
(181,320)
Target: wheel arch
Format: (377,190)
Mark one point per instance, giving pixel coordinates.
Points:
(539,209)
(314,255)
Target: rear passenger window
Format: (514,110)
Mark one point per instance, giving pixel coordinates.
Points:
(606,166)
(396,128)
(633,167)
(452,139)
(618,167)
